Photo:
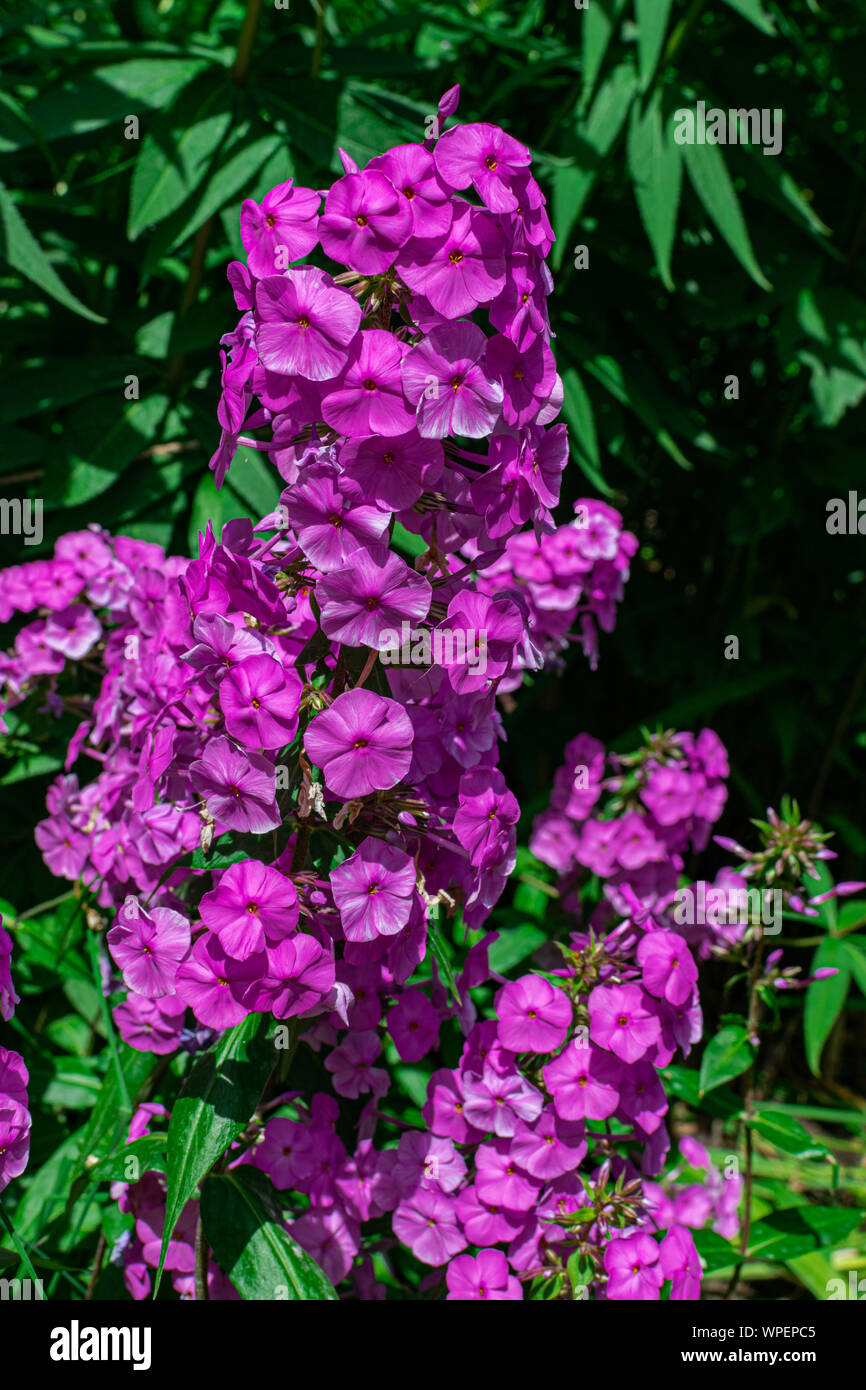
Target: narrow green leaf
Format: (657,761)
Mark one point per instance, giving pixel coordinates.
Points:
(784,1235)
(787,1134)
(727,1055)
(246,1231)
(20,248)
(599,21)
(712,183)
(216,1102)
(652,19)
(656,167)
(825,999)
(175,157)
(754,12)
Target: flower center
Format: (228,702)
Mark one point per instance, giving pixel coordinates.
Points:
(490,162)
(621,1021)
(409,193)
(303,321)
(388,458)
(455,256)
(361,220)
(369,384)
(270,220)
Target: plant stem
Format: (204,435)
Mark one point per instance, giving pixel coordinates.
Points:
(246,41)
(315,66)
(201,1253)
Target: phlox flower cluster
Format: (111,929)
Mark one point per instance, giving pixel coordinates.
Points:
(279,824)
(14,1112)
(630,820)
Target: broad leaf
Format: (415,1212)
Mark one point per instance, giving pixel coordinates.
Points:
(246,1231)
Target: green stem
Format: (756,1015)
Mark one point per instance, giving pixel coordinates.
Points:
(93,946)
(20,1247)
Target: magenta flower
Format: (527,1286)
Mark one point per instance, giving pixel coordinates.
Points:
(427,1223)
(422,1160)
(485,1223)
(486,813)
(681,1264)
(14,1077)
(148,947)
(362,743)
(527,375)
(211,983)
(332,1238)
(444,377)
(499,1179)
(260,701)
(460,270)
(280,229)
(237,787)
(305,323)
(669,971)
(669,795)
(252,906)
(73,631)
(620,1021)
(8,997)
(500,1102)
(585,1083)
(444,1108)
(414,1025)
(365,222)
(394,472)
(633,1269)
(286,1153)
(151,1025)
(486,157)
(482,1277)
(534,1016)
(551,1146)
(411,170)
(299,974)
(332,519)
(368,397)
(351,1065)
(372,596)
(373,890)
(14,1140)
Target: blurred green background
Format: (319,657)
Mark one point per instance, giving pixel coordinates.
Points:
(704,262)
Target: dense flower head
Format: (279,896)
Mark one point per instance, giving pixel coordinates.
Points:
(283,798)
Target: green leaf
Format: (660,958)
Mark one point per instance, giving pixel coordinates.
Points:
(716,1253)
(437,945)
(110,93)
(855,951)
(787,1134)
(132,1161)
(599,21)
(754,11)
(214,1105)
(595,138)
(798,1230)
(246,1231)
(513,945)
(101,441)
(685,1084)
(727,1055)
(652,19)
(577,409)
(656,168)
(175,155)
(825,999)
(712,183)
(20,248)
